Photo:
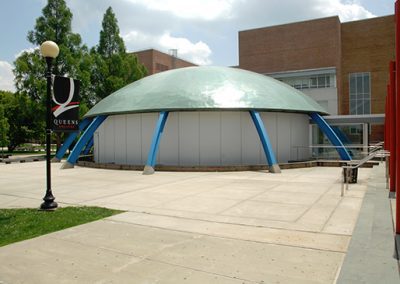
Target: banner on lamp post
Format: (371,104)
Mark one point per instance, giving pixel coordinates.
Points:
(65,104)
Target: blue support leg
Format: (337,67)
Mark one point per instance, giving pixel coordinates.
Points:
(328,131)
(88,134)
(88,146)
(151,158)
(262,132)
(71,137)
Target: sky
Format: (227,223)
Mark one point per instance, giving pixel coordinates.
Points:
(204,32)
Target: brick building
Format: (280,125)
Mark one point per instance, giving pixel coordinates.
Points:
(156,61)
(343,66)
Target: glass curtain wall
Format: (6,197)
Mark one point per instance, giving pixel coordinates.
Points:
(350,134)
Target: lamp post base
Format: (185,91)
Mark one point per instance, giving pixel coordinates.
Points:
(49,203)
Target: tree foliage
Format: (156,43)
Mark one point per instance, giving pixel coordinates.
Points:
(24,119)
(73,60)
(101,70)
(4,128)
(29,71)
(55,25)
(113,67)
(110,41)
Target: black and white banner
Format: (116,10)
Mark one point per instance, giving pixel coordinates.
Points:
(65,104)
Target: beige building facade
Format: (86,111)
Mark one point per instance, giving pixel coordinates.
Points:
(156,61)
(343,66)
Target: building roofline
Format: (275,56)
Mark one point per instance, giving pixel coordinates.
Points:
(293,23)
(156,50)
(369,19)
(317,19)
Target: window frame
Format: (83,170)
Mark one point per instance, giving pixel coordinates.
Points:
(358,97)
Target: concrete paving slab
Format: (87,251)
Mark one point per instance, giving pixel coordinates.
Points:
(200,204)
(255,262)
(302,187)
(232,192)
(344,217)
(234,231)
(266,210)
(232,227)
(146,199)
(119,257)
(319,213)
(300,198)
(83,263)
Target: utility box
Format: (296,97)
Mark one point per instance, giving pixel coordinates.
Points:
(350,175)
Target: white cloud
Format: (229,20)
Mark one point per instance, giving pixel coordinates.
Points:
(197,26)
(198,52)
(192,9)
(6,77)
(347,11)
(254,14)
(27,50)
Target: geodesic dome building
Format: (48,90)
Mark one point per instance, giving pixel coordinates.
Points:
(203,116)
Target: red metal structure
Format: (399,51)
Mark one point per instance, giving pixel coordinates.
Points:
(386,126)
(387,121)
(391,115)
(397,115)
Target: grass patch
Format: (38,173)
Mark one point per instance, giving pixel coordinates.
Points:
(41,152)
(22,224)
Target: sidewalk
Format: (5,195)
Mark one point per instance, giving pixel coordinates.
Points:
(22,158)
(238,227)
(371,254)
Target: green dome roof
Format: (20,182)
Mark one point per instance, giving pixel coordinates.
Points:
(205,88)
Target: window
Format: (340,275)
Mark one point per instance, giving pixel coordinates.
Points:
(360,93)
(310,82)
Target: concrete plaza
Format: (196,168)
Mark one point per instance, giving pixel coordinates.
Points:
(209,227)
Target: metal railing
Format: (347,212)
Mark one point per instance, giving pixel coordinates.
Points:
(329,152)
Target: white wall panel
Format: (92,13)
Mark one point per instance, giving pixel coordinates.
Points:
(231,138)
(99,146)
(169,144)
(270,124)
(149,121)
(251,145)
(134,139)
(284,137)
(120,139)
(201,138)
(299,136)
(189,141)
(109,134)
(210,138)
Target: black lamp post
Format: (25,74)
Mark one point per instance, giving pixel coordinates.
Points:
(49,50)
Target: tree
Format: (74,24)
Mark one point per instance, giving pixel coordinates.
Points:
(110,41)
(55,25)
(24,119)
(113,68)
(73,60)
(4,128)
